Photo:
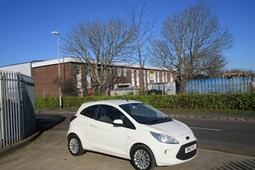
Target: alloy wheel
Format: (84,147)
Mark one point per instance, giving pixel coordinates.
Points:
(74,145)
(141,159)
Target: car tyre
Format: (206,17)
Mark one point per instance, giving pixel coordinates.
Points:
(74,145)
(142,158)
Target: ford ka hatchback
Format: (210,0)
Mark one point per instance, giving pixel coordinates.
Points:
(131,130)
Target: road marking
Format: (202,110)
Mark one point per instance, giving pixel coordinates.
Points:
(210,129)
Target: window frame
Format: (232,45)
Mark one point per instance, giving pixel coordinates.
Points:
(124,72)
(119,71)
(94,114)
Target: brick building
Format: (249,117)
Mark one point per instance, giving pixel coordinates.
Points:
(75,78)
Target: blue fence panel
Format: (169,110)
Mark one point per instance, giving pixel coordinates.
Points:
(219,85)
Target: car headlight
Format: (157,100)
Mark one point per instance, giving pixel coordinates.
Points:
(164,138)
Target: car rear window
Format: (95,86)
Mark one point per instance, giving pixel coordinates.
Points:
(90,111)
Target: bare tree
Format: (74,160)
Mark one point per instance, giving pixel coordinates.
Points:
(98,44)
(192,43)
(215,66)
(142,25)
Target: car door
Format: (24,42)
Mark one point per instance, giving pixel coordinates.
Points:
(109,138)
(87,124)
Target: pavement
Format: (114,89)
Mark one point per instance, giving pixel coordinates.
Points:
(200,115)
(47,149)
(212,116)
(230,117)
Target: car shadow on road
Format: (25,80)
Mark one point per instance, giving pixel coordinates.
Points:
(247,164)
(46,122)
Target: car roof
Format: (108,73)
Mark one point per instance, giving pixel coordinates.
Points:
(112,102)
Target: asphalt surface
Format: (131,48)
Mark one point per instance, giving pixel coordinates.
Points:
(222,132)
(49,150)
(228,136)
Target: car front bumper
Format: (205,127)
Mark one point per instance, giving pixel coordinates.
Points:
(172,154)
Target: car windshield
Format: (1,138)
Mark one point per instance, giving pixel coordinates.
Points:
(145,114)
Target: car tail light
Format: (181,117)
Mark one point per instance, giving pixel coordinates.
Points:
(72,118)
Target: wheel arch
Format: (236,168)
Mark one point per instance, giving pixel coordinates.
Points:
(72,133)
(76,133)
(144,145)
(140,144)
(75,148)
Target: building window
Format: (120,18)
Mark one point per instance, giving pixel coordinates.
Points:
(144,78)
(154,77)
(171,77)
(163,76)
(124,72)
(88,78)
(79,80)
(157,76)
(166,77)
(148,76)
(137,78)
(119,72)
(133,77)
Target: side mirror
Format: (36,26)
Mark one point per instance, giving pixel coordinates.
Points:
(118,122)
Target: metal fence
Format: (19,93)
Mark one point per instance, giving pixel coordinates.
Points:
(219,85)
(17,108)
(168,88)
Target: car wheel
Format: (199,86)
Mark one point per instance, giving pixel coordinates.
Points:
(74,145)
(142,158)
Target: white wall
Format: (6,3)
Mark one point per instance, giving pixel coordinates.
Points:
(24,68)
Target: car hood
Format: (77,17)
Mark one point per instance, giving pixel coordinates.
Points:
(174,128)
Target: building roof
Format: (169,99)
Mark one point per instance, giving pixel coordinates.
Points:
(34,61)
(77,60)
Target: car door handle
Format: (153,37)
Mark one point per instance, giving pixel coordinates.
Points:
(92,125)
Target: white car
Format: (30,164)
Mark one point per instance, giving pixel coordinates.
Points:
(131,130)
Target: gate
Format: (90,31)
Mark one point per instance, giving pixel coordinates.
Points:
(17,115)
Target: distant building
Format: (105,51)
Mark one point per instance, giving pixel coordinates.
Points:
(76,79)
(23,68)
(236,74)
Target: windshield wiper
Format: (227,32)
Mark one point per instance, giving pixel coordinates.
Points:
(168,118)
(160,120)
(155,121)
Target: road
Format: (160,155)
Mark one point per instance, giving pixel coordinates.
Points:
(49,151)
(229,136)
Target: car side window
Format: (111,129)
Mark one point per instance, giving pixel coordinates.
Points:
(90,111)
(105,113)
(108,114)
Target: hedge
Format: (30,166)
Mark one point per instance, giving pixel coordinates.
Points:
(209,101)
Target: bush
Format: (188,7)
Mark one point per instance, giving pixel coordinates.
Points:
(47,102)
(187,101)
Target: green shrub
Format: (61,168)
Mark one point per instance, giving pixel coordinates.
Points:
(186,101)
(48,102)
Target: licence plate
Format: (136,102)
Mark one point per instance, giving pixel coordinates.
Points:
(190,148)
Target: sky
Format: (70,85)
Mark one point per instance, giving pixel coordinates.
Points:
(26,25)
